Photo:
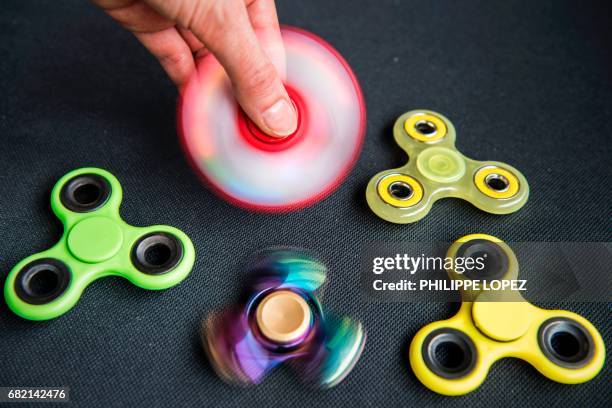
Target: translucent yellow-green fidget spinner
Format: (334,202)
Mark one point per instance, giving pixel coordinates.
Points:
(453,356)
(436,169)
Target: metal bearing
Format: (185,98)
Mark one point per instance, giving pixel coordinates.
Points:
(425,127)
(496,182)
(400,190)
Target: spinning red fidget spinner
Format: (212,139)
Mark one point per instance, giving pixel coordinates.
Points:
(249,168)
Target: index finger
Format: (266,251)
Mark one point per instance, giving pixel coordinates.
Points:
(264,20)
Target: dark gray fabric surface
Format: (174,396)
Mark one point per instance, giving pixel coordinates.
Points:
(524,82)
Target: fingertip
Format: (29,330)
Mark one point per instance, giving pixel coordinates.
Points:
(229,35)
(263,97)
(280,119)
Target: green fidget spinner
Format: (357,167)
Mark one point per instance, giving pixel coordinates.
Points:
(96,243)
(437,170)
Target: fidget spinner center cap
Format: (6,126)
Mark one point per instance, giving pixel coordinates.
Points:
(257,137)
(441,164)
(283,316)
(502,321)
(95,239)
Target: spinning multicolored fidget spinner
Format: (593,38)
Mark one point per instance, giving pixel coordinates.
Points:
(453,356)
(281,320)
(253,170)
(437,170)
(96,243)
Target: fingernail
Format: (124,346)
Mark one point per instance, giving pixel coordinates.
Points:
(281,118)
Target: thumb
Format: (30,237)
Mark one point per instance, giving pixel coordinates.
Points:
(228,34)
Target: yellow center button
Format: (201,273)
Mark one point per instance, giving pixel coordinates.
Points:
(502,321)
(283,316)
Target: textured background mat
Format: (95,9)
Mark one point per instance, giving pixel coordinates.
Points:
(524,82)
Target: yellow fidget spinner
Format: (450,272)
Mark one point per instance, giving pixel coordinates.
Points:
(437,170)
(453,357)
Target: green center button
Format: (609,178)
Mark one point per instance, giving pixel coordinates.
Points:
(95,239)
(441,164)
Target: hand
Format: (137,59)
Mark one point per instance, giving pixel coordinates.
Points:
(243,35)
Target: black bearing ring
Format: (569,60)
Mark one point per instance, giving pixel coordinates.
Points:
(579,346)
(42,281)
(165,248)
(85,193)
(464,351)
(496,261)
